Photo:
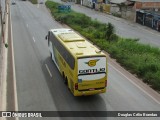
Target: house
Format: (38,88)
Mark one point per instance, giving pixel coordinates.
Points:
(93,3)
(117,1)
(148,13)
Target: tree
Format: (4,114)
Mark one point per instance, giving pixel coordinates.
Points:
(109,32)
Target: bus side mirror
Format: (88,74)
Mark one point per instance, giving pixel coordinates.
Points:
(46,37)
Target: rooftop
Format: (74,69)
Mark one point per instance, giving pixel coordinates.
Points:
(117,1)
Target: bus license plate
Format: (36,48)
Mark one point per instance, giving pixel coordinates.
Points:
(91,89)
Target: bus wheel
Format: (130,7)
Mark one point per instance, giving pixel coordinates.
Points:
(66,81)
(63,75)
(64,78)
(51,55)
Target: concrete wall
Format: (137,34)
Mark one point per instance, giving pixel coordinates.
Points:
(87,3)
(129,15)
(114,9)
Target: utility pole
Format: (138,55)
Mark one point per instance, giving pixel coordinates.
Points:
(5,18)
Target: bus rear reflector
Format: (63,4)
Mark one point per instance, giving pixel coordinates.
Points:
(106,83)
(92,89)
(76,86)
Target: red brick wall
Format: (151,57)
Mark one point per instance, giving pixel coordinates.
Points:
(151,5)
(140,5)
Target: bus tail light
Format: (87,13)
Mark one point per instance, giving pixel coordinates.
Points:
(76,86)
(106,83)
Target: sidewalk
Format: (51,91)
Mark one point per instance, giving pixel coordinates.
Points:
(3,63)
(1,59)
(0,64)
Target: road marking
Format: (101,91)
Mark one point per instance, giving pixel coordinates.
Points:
(135,84)
(48,70)
(34,39)
(38,6)
(27,25)
(14,74)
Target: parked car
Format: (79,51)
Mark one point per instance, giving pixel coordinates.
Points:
(13,2)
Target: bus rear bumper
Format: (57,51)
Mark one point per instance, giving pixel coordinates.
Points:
(86,93)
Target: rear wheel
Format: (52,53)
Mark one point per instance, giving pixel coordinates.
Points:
(66,81)
(51,55)
(64,78)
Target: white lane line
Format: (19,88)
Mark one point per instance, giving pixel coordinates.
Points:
(48,70)
(38,6)
(27,25)
(14,74)
(33,39)
(135,84)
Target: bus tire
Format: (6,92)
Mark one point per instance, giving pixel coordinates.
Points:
(64,78)
(63,75)
(66,81)
(51,55)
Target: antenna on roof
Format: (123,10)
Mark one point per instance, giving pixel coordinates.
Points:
(98,51)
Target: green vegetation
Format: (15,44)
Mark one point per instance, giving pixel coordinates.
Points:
(117,15)
(6,45)
(34,1)
(109,32)
(139,59)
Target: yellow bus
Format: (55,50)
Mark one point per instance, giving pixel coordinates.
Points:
(82,65)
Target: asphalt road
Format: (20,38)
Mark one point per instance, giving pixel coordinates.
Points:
(123,28)
(37,91)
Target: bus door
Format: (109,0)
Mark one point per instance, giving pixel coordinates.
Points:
(51,47)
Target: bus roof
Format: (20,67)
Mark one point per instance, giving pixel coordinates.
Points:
(77,44)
